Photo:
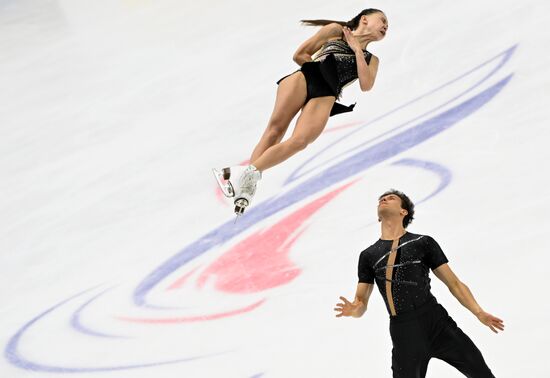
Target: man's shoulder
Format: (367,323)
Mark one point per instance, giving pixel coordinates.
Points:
(424,240)
(413,236)
(372,248)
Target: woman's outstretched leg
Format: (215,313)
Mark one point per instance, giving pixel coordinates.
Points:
(309,126)
(291,96)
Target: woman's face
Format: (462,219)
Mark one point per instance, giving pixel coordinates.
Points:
(377,23)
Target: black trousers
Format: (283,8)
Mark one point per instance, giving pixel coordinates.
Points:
(430,332)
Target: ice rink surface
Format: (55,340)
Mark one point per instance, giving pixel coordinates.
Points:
(120,259)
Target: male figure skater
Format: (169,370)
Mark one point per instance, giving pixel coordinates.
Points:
(420,327)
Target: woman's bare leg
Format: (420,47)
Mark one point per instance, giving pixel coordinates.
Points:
(291,95)
(309,126)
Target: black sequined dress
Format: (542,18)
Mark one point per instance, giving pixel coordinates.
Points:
(333,67)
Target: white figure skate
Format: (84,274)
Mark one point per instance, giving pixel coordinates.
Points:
(246,189)
(222,177)
(238,182)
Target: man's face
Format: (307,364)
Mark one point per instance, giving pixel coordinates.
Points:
(390,205)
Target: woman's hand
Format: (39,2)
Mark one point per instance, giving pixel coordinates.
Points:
(490,321)
(351,40)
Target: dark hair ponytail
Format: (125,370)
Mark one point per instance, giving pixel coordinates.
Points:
(352,24)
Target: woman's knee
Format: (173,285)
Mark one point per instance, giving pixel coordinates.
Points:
(276,130)
(298,142)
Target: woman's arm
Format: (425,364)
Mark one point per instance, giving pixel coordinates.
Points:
(365,72)
(309,47)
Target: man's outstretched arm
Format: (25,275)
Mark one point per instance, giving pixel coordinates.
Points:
(358,307)
(466,298)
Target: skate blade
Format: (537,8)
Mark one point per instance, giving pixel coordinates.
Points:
(221,176)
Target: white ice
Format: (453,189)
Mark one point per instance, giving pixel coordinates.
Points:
(112,114)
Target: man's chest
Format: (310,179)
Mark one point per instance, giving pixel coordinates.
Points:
(405,253)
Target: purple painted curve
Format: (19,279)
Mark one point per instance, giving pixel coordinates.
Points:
(505,56)
(444,174)
(13,356)
(323,180)
(77,324)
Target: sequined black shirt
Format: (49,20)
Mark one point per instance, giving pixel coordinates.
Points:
(410,283)
(339,64)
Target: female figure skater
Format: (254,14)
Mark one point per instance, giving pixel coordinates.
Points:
(333,58)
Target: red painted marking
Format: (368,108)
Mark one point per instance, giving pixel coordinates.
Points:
(345,126)
(180,281)
(261,261)
(187,319)
(257,263)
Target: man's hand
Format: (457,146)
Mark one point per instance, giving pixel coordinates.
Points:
(346,308)
(490,321)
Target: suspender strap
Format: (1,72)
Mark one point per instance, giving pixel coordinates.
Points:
(389,272)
